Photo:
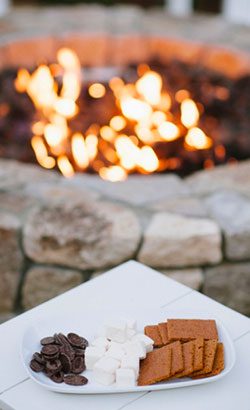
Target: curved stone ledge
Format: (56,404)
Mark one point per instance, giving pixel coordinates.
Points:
(103,49)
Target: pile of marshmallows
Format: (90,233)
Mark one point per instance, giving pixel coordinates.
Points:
(115,356)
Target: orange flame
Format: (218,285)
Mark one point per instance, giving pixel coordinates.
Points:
(127,143)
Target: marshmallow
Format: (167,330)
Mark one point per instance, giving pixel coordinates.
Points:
(116,330)
(131,323)
(130,333)
(104,370)
(125,378)
(131,362)
(101,341)
(117,352)
(145,340)
(92,355)
(135,348)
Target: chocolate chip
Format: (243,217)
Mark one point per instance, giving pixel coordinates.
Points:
(54,357)
(75,380)
(54,366)
(75,340)
(47,341)
(68,350)
(61,358)
(36,367)
(62,339)
(66,363)
(78,365)
(57,377)
(38,357)
(80,352)
(49,350)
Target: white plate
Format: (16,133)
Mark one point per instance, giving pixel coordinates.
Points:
(88,325)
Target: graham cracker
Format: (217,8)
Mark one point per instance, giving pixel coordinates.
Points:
(210,347)
(156,367)
(177,364)
(189,329)
(152,331)
(188,357)
(219,363)
(163,329)
(198,354)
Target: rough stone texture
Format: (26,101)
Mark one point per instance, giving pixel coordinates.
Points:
(30,52)
(16,202)
(59,192)
(172,240)
(212,29)
(10,252)
(44,283)
(9,281)
(187,206)
(192,278)
(82,236)
(229,284)
(232,213)
(15,175)
(233,177)
(138,190)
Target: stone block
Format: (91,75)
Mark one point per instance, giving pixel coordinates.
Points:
(14,174)
(186,206)
(11,257)
(138,190)
(91,49)
(128,49)
(234,177)
(193,278)
(229,284)
(167,49)
(85,236)
(30,52)
(226,61)
(44,283)
(232,213)
(9,283)
(176,241)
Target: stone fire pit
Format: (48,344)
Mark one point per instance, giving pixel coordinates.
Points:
(56,233)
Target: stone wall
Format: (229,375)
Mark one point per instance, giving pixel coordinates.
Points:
(57,233)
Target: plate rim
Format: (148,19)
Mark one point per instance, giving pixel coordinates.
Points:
(58,388)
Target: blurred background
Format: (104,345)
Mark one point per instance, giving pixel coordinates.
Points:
(235,11)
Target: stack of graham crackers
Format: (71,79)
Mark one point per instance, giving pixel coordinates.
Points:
(183,348)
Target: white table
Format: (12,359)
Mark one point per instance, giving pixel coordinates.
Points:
(129,284)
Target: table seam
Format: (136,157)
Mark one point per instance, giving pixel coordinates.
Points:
(133,401)
(177,298)
(14,385)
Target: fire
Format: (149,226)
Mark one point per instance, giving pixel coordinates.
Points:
(79,151)
(149,86)
(97,90)
(189,113)
(197,139)
(168,131)
(145,116)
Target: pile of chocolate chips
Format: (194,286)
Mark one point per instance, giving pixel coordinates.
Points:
(62,358)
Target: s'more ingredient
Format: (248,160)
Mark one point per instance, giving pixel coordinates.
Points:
(104,370)
(125,378)
(189,329)
(92,355)
(155,367)
(153,332)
